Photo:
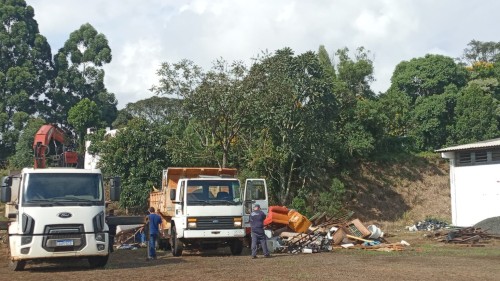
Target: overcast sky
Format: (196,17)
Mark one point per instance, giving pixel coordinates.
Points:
(142,34)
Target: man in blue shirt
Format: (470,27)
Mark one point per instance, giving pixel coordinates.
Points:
(154,221)
(256,220)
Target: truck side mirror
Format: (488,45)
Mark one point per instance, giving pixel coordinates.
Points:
(6,189)
(172,194)
(114,191)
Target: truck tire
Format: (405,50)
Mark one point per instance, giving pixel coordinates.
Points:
(17,265)
(236,247)
(176,244)
(98,261)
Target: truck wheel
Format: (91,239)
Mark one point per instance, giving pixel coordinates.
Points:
(236,247)
(99,261)
(176,244)
(17,265)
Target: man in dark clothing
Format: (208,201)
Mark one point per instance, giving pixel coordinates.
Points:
(154,221)
(256,220)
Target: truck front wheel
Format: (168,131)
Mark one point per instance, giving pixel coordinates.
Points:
(176,244)
(99,261)
(17,265)
(236,247)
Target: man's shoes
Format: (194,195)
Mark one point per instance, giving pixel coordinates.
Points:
(254,257)
(267,256)
(148,259)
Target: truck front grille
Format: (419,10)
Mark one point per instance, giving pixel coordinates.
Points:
(204,223)
(63,238)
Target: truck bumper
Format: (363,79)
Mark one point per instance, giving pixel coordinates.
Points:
(37,250)
(214,233)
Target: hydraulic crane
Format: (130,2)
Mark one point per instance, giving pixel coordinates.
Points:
(50,137)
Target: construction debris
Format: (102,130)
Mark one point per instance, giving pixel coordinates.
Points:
(464,236)
(428,225)
(293,233)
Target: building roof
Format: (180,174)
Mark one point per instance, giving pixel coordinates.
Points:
(476,145)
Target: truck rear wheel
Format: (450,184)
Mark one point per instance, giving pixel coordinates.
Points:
(17,265)
(236,247)
(176,244)
(99,261)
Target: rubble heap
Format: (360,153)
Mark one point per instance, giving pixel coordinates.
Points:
(322,233)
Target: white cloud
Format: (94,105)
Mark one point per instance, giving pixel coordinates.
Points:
(144,34)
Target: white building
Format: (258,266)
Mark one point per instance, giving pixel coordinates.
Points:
(474,181)
(91,160)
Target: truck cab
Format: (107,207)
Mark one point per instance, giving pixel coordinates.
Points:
(56,213)
(203,208)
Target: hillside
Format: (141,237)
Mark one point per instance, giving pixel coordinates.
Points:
(400,191)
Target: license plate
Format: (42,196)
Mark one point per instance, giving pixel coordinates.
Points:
(64,242)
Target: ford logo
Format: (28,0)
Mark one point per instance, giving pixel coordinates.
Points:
(64,215)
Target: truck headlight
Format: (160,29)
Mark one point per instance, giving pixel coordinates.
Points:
(192,222)
(237,222)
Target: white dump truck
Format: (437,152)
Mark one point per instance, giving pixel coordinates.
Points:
(57,213)
(204,208)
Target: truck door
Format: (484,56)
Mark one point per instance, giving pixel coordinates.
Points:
(255,193)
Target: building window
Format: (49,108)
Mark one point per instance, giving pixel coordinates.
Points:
(478,157)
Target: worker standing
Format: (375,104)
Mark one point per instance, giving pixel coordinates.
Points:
(256,219)
(154,221)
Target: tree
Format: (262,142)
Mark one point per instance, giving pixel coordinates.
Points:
(215,100)
(294,108)
(427,76)
(25,65)
(430,119)
(79,75)
(138,154)
(24,147)
(476,116)
(155,109)
(85,114)
(478,51)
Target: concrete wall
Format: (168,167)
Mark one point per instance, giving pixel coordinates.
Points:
(475,192)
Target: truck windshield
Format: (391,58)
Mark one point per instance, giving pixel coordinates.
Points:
(63,188)
(213,192)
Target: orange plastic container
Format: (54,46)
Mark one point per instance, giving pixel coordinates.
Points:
(298,222)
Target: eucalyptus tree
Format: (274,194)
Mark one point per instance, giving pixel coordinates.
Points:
(79,75)
(25,65)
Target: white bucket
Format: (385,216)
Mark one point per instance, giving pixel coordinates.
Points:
(376,232)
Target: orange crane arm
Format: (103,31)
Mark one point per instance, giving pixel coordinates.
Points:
(43,137)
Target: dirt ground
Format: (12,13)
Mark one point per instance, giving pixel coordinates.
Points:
(424,260)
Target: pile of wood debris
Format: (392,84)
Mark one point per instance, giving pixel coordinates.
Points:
(468,236)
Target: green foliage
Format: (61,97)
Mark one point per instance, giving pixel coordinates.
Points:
(24,147)
(476,116)
(25,66)
(285,142)
(332,201)
(430,119)
(79,75)
(478,51)
(427,76)
(85,114)
(138,154)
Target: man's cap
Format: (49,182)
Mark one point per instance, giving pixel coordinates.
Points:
(256,206)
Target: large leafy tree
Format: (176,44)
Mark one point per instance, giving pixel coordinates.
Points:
(138,154)
(25,64)
(294,109)
(427,76)
(431,118)
(216,102)
(476,116)
(79,75)
(85,114)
